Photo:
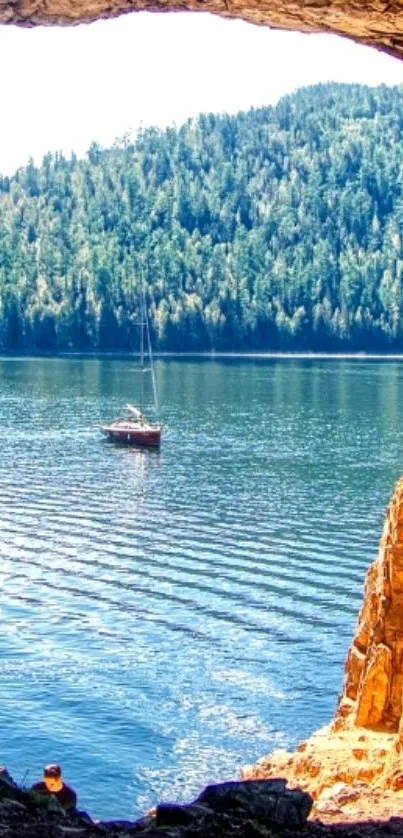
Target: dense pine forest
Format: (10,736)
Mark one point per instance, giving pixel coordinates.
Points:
(280,228)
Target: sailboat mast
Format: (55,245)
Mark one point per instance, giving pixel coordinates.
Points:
(151,362)
(142,314)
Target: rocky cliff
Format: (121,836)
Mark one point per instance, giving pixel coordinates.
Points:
(373,682)
(353,768)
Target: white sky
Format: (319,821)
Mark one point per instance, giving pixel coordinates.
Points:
(64,87)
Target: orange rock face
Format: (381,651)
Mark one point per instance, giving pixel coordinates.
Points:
(354,768)
(372,692)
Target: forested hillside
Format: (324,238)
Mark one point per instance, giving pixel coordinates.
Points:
(280,228)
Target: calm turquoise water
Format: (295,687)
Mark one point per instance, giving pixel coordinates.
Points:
(167,617)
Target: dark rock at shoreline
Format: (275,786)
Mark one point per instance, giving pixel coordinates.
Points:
(245,808)
(248,809)
(268,801)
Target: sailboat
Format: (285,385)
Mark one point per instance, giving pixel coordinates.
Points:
(134,428)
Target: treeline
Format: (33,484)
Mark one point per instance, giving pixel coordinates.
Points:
(280,228)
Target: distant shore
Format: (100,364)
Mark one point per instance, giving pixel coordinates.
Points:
(211,356)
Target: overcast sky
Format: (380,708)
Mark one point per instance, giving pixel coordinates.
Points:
(63,88)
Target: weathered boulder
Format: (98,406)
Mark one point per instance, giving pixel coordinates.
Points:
(171,814)
(268,801)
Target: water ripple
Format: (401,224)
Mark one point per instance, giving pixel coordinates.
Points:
(169,616)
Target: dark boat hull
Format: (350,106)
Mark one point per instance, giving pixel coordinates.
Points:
(148,435)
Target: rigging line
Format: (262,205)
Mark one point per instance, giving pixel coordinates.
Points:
(142,315)
(151,361)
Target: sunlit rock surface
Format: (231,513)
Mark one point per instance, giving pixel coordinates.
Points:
(353,768)
(372,693)
(378,24)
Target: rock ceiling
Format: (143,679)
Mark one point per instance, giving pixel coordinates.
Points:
(378,23)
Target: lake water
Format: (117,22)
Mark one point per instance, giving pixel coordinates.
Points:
(167,617)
